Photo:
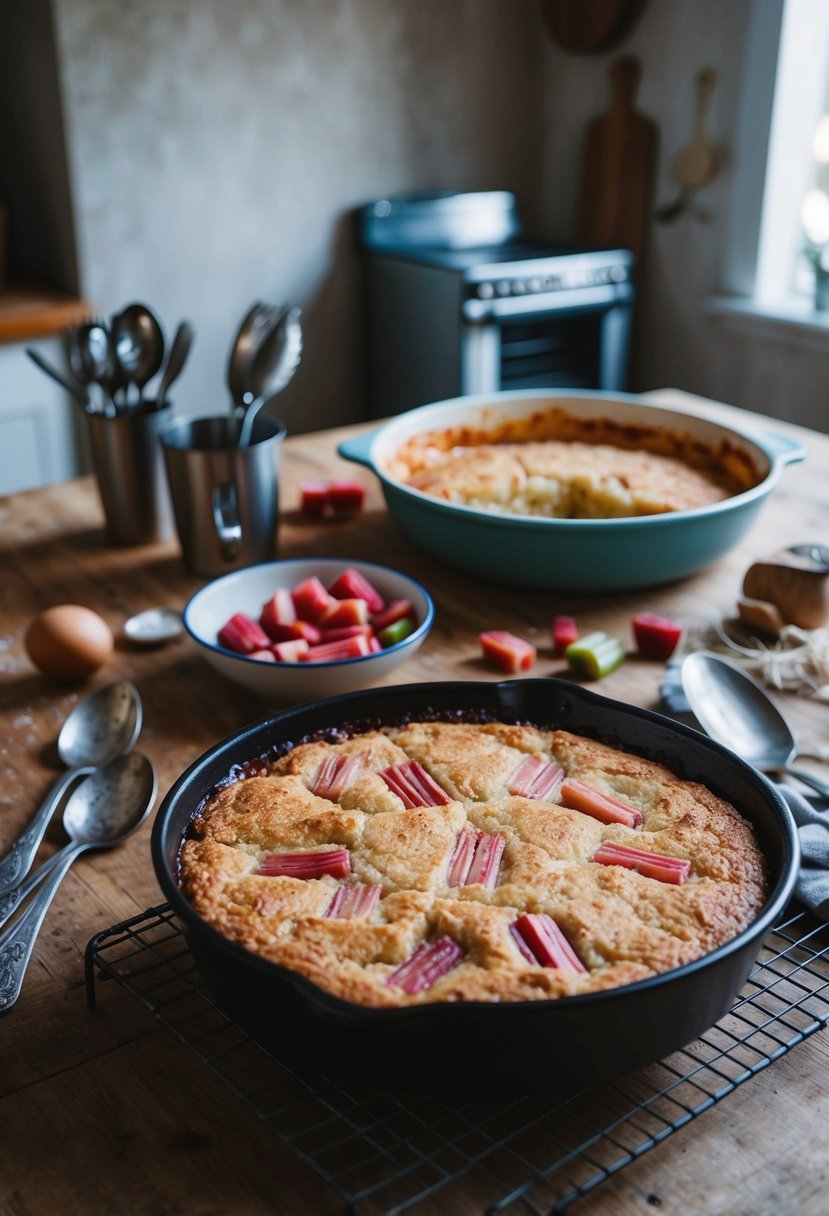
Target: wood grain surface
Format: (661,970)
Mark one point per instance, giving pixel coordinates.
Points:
(618,169)
(104,1112)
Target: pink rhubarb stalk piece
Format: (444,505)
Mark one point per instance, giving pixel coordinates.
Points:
(506,651)
(353,585)
(565,631)
(291,652)
(335,774)
(333,652)
(243,635)
(580,797)
(651,865)
(336,862)
(426,965)
(310,599)
(395,610)
(536,778)
(340,613)
(413,785)
(278,612)
(476,859)
(540,940)
(353,902)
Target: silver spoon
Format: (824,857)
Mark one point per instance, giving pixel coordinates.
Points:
(139,347)
(73,387)
(176,359)
(273,367)
(255,327)
(735,710)
(93,361)
(100,728)
(101,812)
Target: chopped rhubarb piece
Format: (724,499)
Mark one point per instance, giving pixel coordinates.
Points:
(285,633)
(291,652)
(545,942)
(426,966)
(395,633)
(335,774)
(344,612)
(657,637)
(580,797)
(334,652)
(565,632)
(536,778)
(476,859)
(506,651)
(395,610)
(595,655)
(313,498)
(353,902)
(352,585)
(346,496)
(278,612)
(310,599)
(413,785)
(345,631)
(304,629)
(374,645)
(243,635)
(263,656)
(336,862)
(651,865)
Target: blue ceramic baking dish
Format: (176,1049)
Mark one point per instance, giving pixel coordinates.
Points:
(573,554)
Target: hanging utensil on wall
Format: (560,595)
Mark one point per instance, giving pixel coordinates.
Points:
(698,162)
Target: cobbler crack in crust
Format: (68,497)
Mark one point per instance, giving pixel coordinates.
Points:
(622,925)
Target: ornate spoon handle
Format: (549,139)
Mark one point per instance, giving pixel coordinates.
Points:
(11,899)
(15,865)
(17,943)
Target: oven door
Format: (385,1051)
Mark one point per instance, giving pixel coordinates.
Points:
(547,341)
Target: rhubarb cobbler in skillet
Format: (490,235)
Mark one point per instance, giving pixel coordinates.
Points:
(457,861)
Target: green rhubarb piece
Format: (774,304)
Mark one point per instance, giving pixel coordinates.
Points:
(595,655)
(396,632)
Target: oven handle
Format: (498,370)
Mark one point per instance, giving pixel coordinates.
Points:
(478,312)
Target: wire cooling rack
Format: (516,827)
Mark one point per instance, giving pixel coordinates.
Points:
(388,1154)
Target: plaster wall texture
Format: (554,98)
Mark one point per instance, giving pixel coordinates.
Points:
(216,151)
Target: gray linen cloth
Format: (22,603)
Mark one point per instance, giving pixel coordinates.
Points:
(812,888)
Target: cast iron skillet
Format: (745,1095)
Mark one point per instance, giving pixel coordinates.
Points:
(550,1045)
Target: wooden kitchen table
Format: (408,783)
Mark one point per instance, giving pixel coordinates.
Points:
(107,1112)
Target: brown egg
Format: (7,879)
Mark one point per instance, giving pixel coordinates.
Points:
(69,642)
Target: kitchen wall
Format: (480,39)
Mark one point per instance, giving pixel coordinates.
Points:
(216,150)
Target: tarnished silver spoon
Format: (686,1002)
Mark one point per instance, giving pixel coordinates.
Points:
(735,710)
(139,347)
(100,728)
(104,809)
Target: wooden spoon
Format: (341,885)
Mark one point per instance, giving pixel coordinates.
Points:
(698,162)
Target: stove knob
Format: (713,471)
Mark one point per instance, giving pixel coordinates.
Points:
(518,287)
(618,273)
(534,284)
(485,291)
(502,287)
(552,282)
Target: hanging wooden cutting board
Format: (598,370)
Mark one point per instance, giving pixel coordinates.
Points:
(618,170)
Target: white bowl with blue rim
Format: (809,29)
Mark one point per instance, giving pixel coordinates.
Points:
(248,589)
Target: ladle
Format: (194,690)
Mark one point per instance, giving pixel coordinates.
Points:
(138,343)
(100,813)
(176,359)
(735,710)
(273,366)
(73,387)
(100,728)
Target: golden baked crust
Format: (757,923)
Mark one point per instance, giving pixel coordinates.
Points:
(558,465)
(622,925)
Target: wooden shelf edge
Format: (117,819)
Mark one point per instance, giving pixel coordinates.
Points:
(32,312)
